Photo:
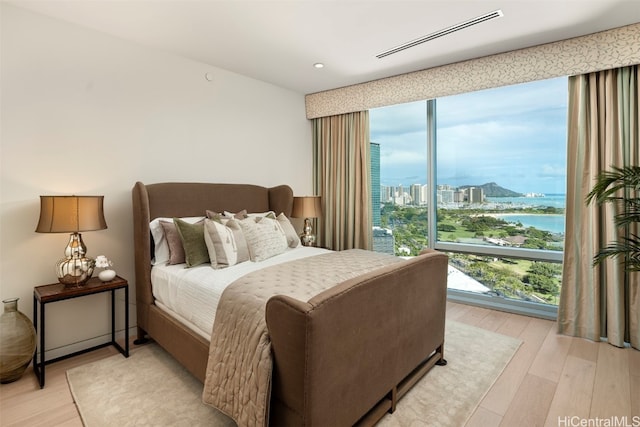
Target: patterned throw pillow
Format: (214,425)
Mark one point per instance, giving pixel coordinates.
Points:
(225,242)
(264,236)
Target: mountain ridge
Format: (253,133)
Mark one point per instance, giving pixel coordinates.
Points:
(491,189)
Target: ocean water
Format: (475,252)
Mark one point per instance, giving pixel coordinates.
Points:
(552,223)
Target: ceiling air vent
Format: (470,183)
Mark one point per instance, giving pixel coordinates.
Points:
(444,32)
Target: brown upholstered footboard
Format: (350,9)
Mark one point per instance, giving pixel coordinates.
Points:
(350,351)
(357,345)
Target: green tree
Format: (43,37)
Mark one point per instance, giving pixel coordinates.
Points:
(545,269)
(542,284)
(446,227)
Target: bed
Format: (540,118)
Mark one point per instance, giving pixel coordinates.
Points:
(341,354)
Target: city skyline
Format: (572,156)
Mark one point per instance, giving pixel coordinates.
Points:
(418,195)
(525,124)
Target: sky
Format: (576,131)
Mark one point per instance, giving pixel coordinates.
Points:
(514,136)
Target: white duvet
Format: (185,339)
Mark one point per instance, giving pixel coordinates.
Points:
(192,294)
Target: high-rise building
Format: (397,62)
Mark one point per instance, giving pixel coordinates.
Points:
(386,194)
(475,195)
(424,195)
(375,183)
(399,196)
(446,196)
(416,194)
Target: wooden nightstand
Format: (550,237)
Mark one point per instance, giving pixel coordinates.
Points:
(59,292)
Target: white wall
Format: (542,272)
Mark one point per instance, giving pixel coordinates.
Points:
(88,114)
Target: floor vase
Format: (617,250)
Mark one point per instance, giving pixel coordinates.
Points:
(17,342)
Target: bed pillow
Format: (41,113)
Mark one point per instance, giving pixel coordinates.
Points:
(218,216)
(243,214)
(192,236)
(268,214)
(161,252)
(264,236)
(237,215)
(176,250)
(292,237)
(225,243)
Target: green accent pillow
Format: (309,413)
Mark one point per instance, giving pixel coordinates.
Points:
(192,236)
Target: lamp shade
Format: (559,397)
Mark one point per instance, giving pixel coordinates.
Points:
(71,214)
(306,207)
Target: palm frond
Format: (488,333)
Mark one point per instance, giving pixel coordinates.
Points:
(610,182)
(620,186)
(627,247)
(624,219)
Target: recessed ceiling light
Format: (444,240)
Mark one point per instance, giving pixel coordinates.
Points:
(318,65)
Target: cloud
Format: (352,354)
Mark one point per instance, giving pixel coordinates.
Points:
(397,120)
(515,136)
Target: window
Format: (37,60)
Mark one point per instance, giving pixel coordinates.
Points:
(398,178)
(481,176)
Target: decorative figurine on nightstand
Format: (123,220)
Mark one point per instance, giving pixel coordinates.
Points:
(107,273)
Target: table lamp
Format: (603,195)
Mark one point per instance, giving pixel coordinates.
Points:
(307,207)
(72,214)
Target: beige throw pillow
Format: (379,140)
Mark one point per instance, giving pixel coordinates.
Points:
(225,242)
(292,237)
(264,236)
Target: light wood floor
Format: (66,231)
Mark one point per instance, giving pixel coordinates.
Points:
(552,380)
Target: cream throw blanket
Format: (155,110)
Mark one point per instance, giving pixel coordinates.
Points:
(238,378)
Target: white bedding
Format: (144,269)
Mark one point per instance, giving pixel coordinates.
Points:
(192,294)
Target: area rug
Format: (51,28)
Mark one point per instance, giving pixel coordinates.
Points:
(151,389)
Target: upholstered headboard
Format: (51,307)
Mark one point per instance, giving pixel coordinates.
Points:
(182,199)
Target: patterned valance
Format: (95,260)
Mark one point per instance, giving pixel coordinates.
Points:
(600,51)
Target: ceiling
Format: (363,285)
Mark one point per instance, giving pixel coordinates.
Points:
(279,41)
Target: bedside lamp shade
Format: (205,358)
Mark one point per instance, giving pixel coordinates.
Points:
(72,214)
(307,207)
(69,214)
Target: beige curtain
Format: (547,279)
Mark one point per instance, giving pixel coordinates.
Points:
(342,177)
(599,301)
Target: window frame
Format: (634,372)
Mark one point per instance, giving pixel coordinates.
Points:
(528,308)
